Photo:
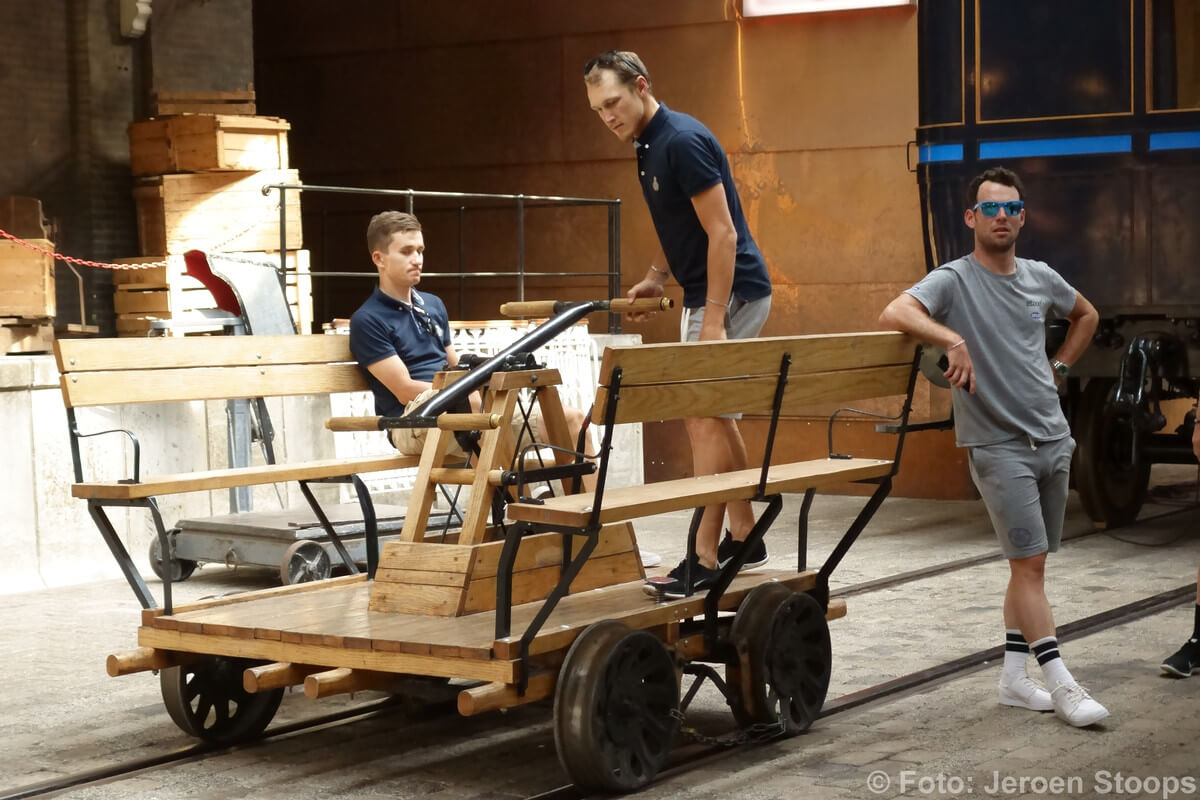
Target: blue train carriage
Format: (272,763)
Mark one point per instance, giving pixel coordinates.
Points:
(1096,105)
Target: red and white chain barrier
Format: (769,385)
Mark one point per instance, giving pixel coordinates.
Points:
(83,262)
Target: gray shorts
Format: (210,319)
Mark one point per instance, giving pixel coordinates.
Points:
(1024,487)
(742,320)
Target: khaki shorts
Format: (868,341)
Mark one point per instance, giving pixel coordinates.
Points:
(411,441)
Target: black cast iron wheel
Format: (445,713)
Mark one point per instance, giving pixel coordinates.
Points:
(305,561)
(784,658)
(614,708)
(181,568)
(206,699)
(1111,487)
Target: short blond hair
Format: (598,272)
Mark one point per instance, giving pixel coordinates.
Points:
(626,64)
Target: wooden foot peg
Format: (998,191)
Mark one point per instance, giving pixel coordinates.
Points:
(275,676)
(343,680)
(492,696)
(143,659)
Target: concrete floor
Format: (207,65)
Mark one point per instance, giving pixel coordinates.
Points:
(61,714)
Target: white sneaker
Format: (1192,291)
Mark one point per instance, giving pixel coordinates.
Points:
(1024,692)
(1074,705)
(649,558)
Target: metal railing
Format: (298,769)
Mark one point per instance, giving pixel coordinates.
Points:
(521,203)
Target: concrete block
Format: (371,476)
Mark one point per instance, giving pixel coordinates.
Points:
(68,546)
(19,567)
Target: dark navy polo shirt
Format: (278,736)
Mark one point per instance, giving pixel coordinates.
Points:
(678,158)
(384,326)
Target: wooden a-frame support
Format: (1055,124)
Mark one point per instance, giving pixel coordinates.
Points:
(419,576)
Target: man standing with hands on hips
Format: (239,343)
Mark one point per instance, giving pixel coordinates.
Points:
(988,310)
(706,244)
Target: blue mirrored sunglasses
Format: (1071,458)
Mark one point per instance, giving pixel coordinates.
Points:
(990,208)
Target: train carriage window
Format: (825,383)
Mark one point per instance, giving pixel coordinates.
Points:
(1175,54)
(1056,59)
(940,65)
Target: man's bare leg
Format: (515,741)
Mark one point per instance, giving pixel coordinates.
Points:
(711,453)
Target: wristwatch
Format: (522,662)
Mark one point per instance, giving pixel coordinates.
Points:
(1060,368)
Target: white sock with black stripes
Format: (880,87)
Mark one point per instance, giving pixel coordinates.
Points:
(1016,656)
(1056,672)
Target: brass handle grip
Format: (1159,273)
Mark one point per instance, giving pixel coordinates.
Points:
(468,422)
(640,304)
(353,423)
(548,308)
(529,308)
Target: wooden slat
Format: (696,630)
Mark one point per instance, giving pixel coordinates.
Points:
(307,625)
(662,401)
(207,383)
(410,598)
(632,502)
(422,577)
(99,355)
(269,650)
(545,549)
(685,361)
(524,379)
(239,476)
(535,584)
(156,616)
(435,557)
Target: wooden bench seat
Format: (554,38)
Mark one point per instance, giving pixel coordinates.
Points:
(204,480)
(631,502)
(115,372)
(774,376)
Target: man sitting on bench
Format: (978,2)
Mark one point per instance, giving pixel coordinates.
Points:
(401,337)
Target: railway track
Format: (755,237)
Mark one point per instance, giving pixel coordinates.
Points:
(688,757)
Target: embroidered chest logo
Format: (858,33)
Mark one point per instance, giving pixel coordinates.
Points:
(654,183)
(1035,310)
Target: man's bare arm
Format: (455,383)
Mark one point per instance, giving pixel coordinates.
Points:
(712,209)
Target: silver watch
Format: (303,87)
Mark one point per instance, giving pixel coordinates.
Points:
(1060,368)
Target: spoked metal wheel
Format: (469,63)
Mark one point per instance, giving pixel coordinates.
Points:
(181,568)
(614,708)
(784,658)
(1111,487)
(305,561)
(206,699)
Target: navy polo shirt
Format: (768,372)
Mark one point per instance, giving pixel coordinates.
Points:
(384,326)
(677,159)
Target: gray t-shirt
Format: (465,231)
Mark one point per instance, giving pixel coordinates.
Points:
(1002,318)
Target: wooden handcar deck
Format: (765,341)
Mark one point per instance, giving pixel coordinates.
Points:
(329,624)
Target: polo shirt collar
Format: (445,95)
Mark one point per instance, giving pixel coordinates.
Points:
(653,128)
(395,304)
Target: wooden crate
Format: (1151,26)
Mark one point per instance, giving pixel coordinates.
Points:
(26,335)
(204,142)
(164,292)
(240,102)
(203,210)
(26,280)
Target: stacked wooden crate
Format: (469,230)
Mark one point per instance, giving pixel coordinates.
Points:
(27,301)
(164,292)
(200,187)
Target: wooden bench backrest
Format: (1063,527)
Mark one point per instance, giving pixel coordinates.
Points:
(95,372)
(698,379)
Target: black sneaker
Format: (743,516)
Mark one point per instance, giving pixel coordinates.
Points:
(672,585)
(729,548)
(1186,662)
